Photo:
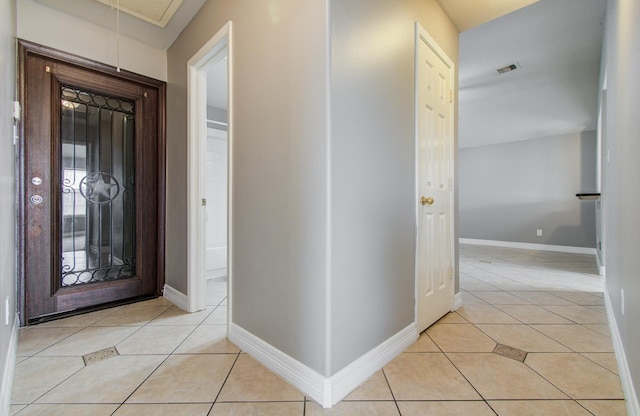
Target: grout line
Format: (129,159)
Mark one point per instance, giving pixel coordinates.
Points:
(393,396)
(227,377)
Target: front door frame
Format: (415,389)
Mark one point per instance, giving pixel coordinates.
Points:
(26,47)
(217,47)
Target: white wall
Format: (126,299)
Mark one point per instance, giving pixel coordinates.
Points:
(46,26)
(510,190)
(8,322)
(621,63)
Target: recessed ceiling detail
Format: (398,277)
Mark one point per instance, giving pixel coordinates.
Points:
(158,12)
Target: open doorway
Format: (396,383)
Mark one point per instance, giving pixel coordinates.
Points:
(215,183)
(209,117)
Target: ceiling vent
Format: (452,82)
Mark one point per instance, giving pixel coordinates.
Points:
(508,68)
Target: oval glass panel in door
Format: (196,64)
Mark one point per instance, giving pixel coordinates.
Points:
(97,203)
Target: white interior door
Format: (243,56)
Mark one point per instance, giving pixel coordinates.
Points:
(434,113)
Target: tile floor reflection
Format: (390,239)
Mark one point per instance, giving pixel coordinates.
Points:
(549,305)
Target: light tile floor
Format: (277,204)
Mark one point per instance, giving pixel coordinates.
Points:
(549,305)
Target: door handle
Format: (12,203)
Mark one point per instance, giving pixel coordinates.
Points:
(426,201)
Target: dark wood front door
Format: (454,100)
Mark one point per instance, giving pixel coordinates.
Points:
(92,191)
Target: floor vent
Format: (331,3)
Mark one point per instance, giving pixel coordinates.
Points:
(510,352)
(97,356)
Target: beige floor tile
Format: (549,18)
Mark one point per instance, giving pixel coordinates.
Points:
(108,381)
(423,344)
(471,408)
(176,316)
(249,381)
(605,407)
(579,314)
(600,308)
(258,409)
(469,283)
(150,339)
(214,299)
(78,321)
(581,298)
(132,315)
(160,301)
(468,298)
(452,318)
(522,337)
(89,340)
(37,375)
(33,339)
(605,359)
(500,298)
(427,376)
(376,388)
(497,377)
(576,375)
(601,328)
(208,339)
(533,314)
(15,408)
(460,338)
(69,410)
(485,314)
(538,407)
(354,409)
(577,337)
(542,298)
(217,317)
(185,379)
(166,409)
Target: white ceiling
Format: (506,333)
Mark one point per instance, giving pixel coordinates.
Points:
(557,43)
(467,14)
(154,22)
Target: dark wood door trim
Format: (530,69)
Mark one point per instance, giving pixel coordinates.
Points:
(150,86)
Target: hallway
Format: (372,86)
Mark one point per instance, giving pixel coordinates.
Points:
(531,339)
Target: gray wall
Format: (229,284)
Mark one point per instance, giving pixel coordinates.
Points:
(323,204)
(279,167)
(373,167)
(7,189)
(510,190)
(217,114)
(621,62)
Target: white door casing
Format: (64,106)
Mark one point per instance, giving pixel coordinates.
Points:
(215,49)
(434,199)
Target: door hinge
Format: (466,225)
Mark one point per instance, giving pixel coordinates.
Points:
(204,202)
(17,110)
(450,96)
(450,272)
(451,184)
(47,68)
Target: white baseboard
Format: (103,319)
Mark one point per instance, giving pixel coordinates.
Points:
(325,391)
(352,376)
(457,301)
(602,270)
(9,368)
(529,246)
(176,297)
(630,395)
